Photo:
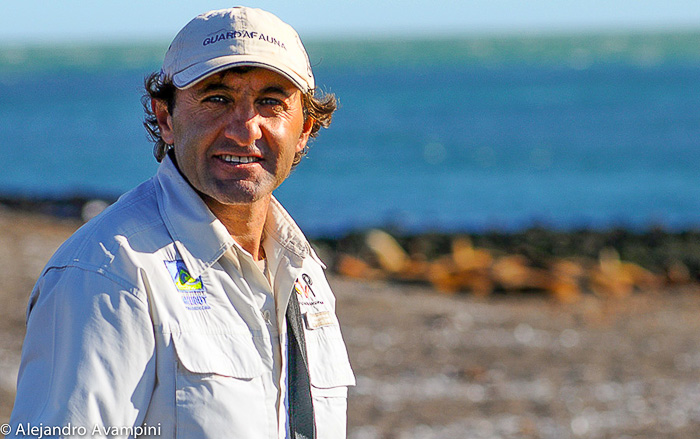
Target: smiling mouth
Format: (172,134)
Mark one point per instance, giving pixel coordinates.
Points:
(237,160)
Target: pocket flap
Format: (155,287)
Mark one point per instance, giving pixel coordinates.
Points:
(329,365)
(224,354)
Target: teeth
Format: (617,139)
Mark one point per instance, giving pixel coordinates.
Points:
(237,159)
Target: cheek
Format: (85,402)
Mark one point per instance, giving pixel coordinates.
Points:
(192,138)
(284,137)
(296,135)
(187,148)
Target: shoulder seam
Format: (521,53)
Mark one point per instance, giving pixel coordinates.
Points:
(126,285)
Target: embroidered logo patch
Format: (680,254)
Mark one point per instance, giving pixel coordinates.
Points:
(304,288)
(192,291)
(306,293)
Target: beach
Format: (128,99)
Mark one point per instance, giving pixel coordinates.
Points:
(431,364)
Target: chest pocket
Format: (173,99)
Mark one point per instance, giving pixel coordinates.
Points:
(219,387)
(329,366)
(330,375)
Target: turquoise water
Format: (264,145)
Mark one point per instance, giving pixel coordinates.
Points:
(461,134)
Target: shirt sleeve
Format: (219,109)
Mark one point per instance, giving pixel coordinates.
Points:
(89,354)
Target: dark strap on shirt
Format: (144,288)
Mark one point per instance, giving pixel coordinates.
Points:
(301,409)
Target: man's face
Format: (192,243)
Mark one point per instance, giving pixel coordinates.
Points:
(235,134)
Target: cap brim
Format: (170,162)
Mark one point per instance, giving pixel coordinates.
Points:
(197,72)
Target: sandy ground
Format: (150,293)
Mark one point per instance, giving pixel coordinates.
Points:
(430,365)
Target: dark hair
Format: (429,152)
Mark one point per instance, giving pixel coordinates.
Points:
(320,109)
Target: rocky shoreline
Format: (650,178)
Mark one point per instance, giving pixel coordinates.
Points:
(564,264)
(660,257)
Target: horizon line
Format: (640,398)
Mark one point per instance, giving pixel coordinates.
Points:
(322,37)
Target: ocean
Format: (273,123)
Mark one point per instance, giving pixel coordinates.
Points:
(462,134)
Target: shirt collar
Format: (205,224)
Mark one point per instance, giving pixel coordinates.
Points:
(200,238)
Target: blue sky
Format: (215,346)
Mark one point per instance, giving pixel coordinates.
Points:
(70,20)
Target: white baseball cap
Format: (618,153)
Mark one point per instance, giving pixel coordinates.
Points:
(240,36)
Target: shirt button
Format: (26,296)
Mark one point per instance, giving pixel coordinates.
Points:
(266,316)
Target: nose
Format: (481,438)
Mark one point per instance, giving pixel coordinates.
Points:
(243,125)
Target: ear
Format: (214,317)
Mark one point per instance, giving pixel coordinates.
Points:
(165,120)
(305,134)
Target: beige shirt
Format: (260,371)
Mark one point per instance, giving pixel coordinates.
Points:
(151,316)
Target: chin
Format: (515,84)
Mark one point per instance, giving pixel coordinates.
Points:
(239,196)
(234,199)
(239,192)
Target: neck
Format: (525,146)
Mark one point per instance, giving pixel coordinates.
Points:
(245,223)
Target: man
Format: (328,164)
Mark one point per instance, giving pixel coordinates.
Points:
(194,307)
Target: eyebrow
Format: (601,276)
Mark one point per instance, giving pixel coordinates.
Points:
(214,86)
(274,89)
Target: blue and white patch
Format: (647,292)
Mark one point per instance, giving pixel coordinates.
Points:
(192,291)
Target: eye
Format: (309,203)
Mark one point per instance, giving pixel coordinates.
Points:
(216,99)
(271,106)
(271,102)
